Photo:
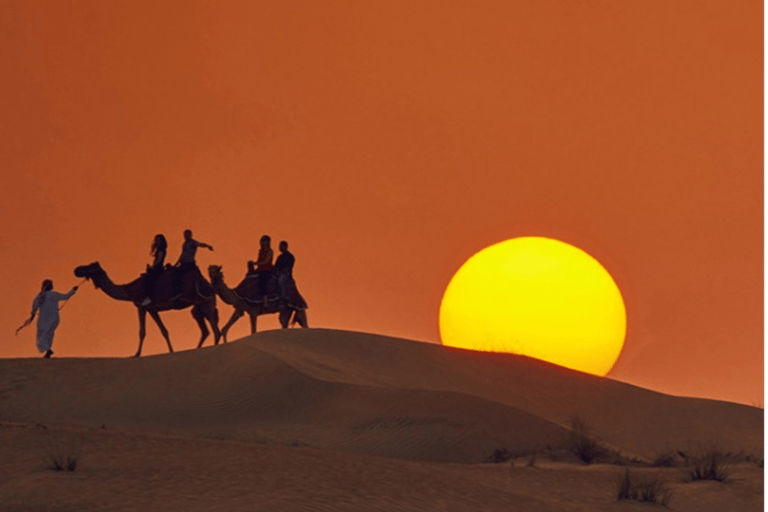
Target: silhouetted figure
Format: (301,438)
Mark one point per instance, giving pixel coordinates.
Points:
(264,259)
(159,249)
(284,270)
(187,259)
(264,265)
(47,303)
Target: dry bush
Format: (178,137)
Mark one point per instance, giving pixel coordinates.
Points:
(666,459)
(647,489)
(499,455)
(62,454)
(711,464)
(581,443)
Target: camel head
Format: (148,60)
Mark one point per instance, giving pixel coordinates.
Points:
(215,273)
(89,271)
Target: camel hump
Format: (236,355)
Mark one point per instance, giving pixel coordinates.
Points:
(186,281)
(248,287)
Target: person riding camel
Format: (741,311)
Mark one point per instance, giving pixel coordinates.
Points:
(264,265)
(284,270)
(186,261)
(159,249)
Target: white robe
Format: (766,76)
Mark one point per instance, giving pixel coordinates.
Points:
(48,317)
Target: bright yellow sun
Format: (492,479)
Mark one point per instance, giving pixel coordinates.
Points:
(537,297)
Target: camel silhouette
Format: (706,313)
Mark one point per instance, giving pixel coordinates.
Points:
(194,291)
(246,298)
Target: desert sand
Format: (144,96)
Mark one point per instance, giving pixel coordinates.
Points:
(318,419)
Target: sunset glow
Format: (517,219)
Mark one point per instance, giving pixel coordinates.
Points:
(537,297)
(387,142)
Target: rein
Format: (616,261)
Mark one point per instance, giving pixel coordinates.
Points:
(64,302)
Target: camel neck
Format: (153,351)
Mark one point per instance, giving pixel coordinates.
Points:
(115,291)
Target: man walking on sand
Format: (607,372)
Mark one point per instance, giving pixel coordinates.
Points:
(47,302)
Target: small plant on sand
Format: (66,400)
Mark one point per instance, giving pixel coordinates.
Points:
(61,455)
(499,455)
(711,464)
(647,489)
(667,459)
(581,443)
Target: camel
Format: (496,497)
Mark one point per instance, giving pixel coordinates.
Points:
(245,299)
(195,292)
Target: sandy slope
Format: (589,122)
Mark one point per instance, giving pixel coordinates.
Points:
(634,419)
(328,420)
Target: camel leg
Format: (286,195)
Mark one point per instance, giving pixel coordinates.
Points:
(156,317)
(200,319)
(209,312)
(301,317)
(285,317)
(235,317)
(253,317)
(213,319)
(142,329)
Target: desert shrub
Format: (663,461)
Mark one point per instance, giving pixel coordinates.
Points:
(499,455)
(60,454)
(581,443)
(665,459)
(647,489)
(709,465)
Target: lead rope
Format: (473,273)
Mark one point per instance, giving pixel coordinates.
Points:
(64,302)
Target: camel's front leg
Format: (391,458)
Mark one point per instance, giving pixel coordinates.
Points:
(142,329)
(253,317)
(199,317)
(156,317)
(235,317)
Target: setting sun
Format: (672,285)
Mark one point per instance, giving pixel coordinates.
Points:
(537,297)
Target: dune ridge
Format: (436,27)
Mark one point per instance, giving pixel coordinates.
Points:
(365,393)
(317,419)
(637,420)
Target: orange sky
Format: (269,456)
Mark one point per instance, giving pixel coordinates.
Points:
(388,141)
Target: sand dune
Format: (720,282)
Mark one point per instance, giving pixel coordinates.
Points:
(637,420)
(239,391)
(321,416)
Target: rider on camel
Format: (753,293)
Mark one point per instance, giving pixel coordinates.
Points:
(284,270)
(158,250)
(187,259)
(264,265)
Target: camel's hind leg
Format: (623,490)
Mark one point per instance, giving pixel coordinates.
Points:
(300,317)
(199,317)
(203,312)
(142,329)
(285,317)
(235,317)
(253,317)
(156,317)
